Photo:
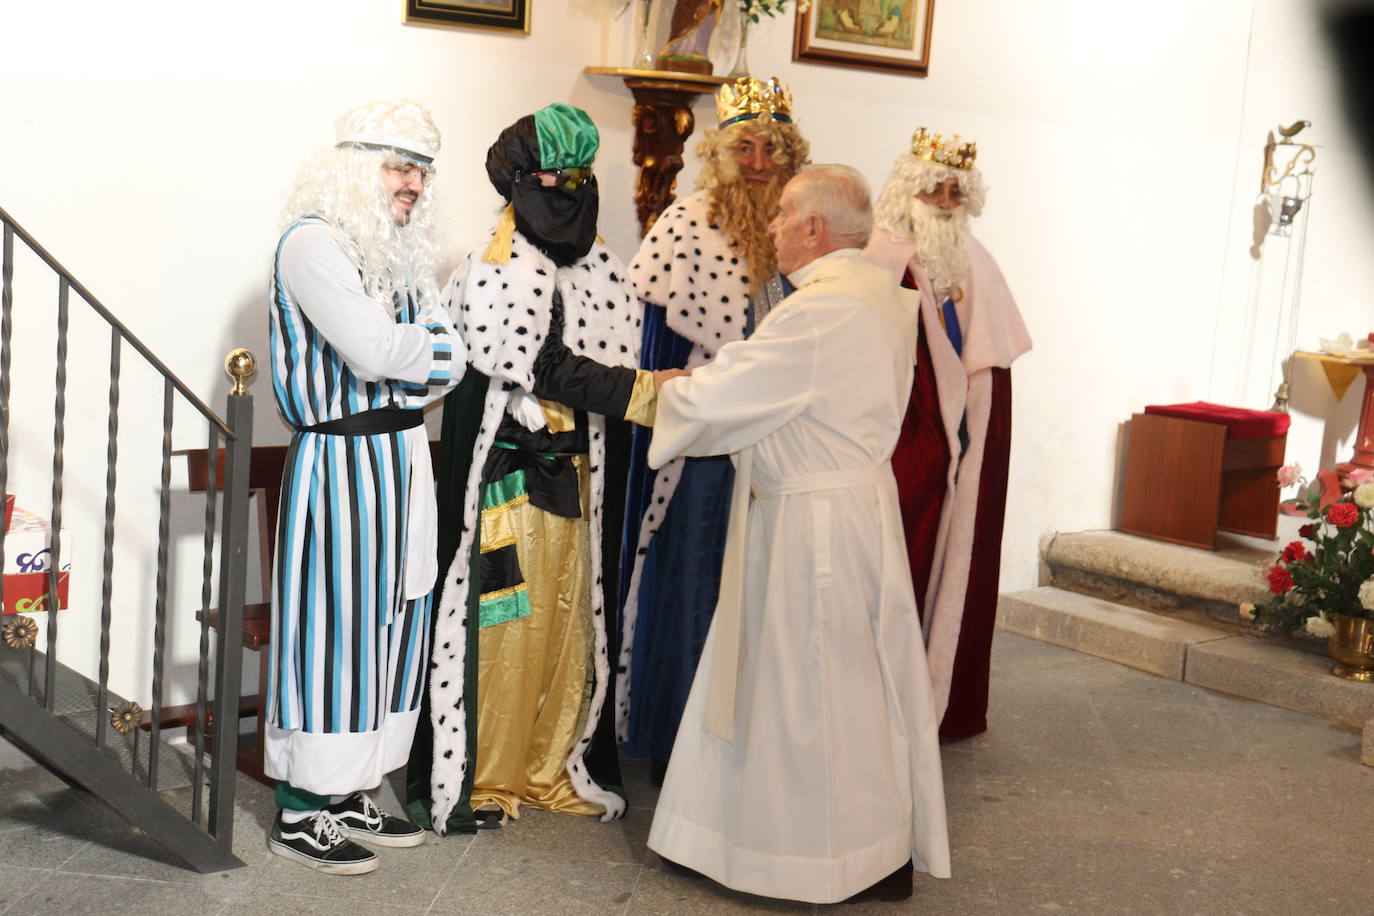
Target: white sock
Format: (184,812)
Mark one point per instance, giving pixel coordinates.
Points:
(335,799)
(289,816)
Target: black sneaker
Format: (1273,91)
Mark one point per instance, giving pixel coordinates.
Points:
(360,818)
(318,842)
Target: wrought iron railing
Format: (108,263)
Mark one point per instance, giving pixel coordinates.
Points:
(64,719)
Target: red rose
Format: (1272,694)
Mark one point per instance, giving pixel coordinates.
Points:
(1296,551)
(1280,579)
(1308,531)
(1342,514)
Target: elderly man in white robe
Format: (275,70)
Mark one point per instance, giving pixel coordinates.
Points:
(807,763)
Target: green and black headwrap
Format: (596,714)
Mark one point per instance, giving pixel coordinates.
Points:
(567,137)
(559,220)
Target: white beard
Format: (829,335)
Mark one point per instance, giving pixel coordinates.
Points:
(941,238)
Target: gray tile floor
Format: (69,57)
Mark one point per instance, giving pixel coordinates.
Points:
(1098,789)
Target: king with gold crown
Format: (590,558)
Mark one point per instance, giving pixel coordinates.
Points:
(706,275)
(952,474)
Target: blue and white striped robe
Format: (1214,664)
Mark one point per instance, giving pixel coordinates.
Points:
(355,559)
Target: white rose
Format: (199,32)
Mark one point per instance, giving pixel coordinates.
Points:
(1367,595)
(1320,627)
(1364,496)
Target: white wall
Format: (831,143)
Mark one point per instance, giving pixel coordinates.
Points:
(1290,75)
(1121,144)
(148,146)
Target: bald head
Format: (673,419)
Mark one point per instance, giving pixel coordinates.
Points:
(824,208)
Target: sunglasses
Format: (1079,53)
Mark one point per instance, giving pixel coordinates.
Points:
(571,179)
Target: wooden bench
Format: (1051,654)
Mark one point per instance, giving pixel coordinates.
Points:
(1191,472)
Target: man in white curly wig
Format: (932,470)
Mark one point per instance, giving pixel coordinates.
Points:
(952,456)
(359,346)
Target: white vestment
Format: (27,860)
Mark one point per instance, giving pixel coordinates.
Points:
(831,779)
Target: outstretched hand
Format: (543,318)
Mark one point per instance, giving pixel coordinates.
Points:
(663,375)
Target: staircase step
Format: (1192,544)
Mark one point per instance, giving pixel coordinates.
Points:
(1139,639)
(1202,585)
(74,705)
(1278,675)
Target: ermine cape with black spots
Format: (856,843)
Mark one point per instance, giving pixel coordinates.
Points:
(504,312)
(687,266)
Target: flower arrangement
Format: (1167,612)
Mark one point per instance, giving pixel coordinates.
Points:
(1331,570)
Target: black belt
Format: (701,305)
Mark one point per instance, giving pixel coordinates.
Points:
(369,422)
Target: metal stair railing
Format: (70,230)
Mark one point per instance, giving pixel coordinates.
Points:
(64,719)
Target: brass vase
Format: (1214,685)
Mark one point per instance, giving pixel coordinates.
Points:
(1352,648)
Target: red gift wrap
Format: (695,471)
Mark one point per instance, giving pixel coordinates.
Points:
(28,562)
(27,593)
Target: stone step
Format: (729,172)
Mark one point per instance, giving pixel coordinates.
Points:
(1278,675)
(1201,585)
(1084,623)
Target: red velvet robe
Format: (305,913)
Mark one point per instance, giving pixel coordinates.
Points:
(921,463)
(953,508)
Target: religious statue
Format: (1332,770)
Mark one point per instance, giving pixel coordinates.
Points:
(689,36)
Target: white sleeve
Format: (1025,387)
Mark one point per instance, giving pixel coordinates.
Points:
(748,392)
(324,283)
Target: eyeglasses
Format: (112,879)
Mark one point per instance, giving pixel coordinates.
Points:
(571,179)
(408,171)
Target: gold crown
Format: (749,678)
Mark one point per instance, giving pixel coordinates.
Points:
(953,154)
(747,98)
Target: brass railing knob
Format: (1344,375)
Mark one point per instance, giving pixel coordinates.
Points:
(241,365)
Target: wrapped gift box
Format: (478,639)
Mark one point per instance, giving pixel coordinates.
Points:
(27,593)
(28,559)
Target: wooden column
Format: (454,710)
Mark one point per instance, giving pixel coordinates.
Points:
(663,120)
(1364,444)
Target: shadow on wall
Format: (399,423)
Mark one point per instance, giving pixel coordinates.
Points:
(1350,29)
(1123,444)
(1312,395)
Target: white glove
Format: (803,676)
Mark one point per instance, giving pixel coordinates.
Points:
(526,410)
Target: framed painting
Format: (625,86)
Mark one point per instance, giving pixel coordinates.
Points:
(501,15)
(892,36)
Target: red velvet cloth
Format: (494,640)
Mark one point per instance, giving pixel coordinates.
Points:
(967,714)
(1239,422)
(920,462)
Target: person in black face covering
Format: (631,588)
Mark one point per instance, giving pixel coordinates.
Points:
(521,648)
(551,189)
